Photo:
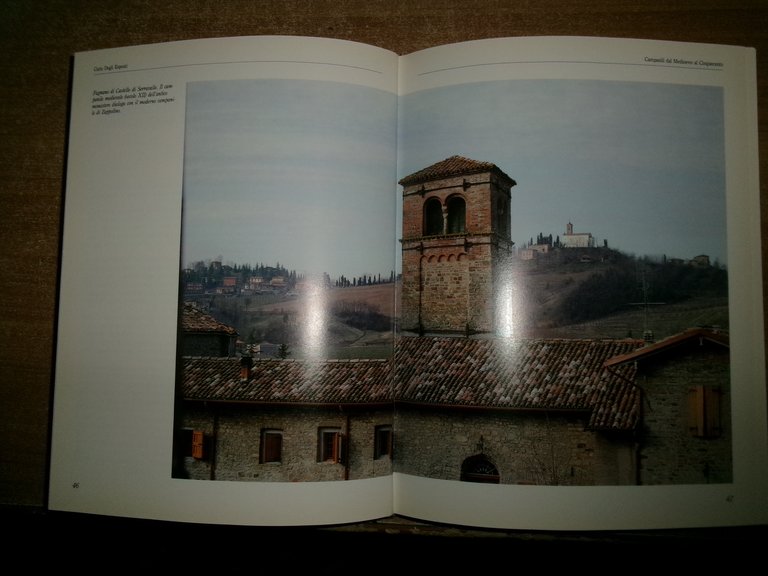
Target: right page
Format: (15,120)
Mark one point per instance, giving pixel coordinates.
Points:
(580,341)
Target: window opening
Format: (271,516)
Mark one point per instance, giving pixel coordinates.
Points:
(457,215)
(433,217)
(271,446)
(331,446)
(382,442)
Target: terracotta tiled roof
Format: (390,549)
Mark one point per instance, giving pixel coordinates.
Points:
(278,381)
(449,372)
(453,166)
(520,374)
(195,320)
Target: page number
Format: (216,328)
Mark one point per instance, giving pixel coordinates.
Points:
(75,485)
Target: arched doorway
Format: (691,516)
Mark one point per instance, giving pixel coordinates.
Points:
(479,468)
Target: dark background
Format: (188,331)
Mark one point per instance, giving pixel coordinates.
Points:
(37,40)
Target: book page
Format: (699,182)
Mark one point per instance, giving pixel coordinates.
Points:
(242,180)
(581,320)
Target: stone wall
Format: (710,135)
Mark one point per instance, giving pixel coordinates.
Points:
(526,448)
(671,452)
(235,436)
(207,344)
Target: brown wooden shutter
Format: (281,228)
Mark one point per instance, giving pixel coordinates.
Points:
(336,447)
(704,411)
(696,410)
(197,444)
(712,412)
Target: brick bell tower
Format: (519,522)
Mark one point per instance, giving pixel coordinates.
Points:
(456,243)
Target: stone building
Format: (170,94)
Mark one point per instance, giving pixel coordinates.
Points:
(515,411)
(202,335)
(542,411)
(573,239)
(565,411)
(284,420)
(684,435)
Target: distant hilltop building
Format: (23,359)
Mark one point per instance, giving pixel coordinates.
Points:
(573,239)
(544,244)
(533,250)
(702,260)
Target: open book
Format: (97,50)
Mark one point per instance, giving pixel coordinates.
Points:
(509,283)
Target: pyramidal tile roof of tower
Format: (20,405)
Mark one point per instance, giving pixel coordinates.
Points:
(453,166)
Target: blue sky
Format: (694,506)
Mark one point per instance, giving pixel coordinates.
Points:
(637,164)
(293,172)
(304,172)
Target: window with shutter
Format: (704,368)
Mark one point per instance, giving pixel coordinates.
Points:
(704,411)
(331,446)
(271,446)
(198,441)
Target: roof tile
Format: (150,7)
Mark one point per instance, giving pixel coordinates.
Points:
(195,320)
(453,166)
(520,374)
(288,381)
(441,371)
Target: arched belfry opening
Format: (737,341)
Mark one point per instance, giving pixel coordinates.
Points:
(433,217)
(457,215)
(456,238)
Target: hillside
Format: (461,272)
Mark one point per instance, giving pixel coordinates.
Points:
(342,322)
(565,295)
(613,295)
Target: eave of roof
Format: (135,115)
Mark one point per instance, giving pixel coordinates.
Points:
(703,334)
(440,372)
(453,166)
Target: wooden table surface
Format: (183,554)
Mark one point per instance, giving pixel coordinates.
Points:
(38,38)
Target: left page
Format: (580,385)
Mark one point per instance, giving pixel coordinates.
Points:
(228,258)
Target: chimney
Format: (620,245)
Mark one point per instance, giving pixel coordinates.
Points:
(648,336)
(246,363)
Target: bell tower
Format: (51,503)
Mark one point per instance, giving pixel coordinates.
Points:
(456,244)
